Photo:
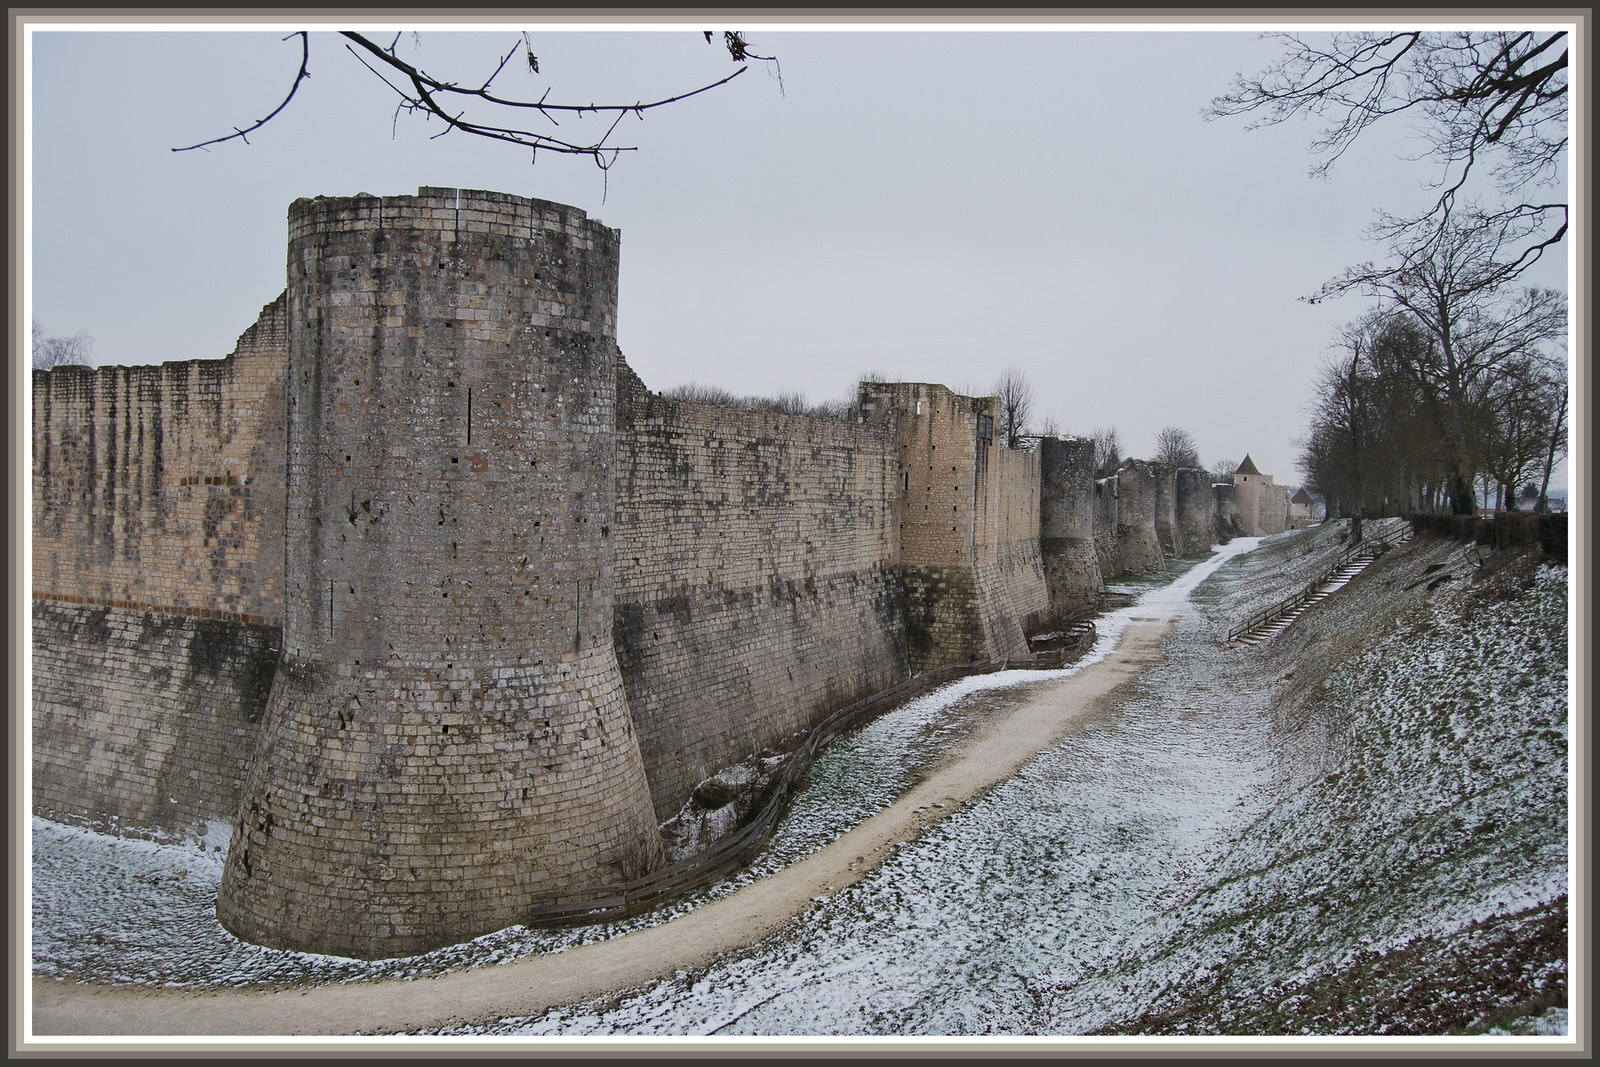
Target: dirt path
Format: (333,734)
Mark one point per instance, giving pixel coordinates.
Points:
(535,984)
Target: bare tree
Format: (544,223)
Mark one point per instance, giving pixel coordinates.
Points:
(699,393)
(1524,425)
(1016,405)
(1222,471)
(1479,329)
(1558,439)
(478,109)
(1492,104)
(1176,447)
(791,402)
(52,352)
(1107,449)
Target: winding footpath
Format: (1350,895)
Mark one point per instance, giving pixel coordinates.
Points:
(536,984)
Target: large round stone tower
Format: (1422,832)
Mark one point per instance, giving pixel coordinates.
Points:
(447,742)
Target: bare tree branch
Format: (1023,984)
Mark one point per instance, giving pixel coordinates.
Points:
(448,101)
(1493,106)
(305,72)
(52,352)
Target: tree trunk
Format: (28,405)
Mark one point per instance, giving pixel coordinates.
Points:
(1550,456)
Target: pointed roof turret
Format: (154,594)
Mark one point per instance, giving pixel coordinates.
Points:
(1247,467)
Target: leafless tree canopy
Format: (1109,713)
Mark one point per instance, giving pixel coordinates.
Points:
(1222,471)
(52,352)
(786,403)
(1493,105)
(1107,449)
(459,105)
(1016,405)
(1176,447)
(1411,414)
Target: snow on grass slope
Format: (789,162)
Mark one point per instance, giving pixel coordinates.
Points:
(1411,875)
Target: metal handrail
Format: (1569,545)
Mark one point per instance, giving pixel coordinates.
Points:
(1366,548)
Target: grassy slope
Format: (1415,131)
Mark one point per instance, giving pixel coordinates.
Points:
(1410,874)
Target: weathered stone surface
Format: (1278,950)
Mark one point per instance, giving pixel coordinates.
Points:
(144,721)
(968,526)
(1067,523)
(1196,507)
(1137,498)
(448,741)
(755,582)
(424,592)
(161,487)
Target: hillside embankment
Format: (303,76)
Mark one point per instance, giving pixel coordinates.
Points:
(1411,874)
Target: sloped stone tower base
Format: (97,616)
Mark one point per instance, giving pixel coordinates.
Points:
(447,743)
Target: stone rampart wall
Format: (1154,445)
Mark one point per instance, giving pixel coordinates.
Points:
(1164,514)
(968,525)
(161,487)
(755,582)
(1107,548)
(1013,596)
(158,514)
(1013,599)
(1227,522)
(432,599)
(144,721)
(942,468)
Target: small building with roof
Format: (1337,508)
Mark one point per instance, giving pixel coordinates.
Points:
(1263,505)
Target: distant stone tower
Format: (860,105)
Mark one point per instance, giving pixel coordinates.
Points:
(1137,497)
(447,742)
(1066,523)
(1196,510)
(1165,517)
(1263,506)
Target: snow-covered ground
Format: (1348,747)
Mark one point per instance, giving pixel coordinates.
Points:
(1240,847)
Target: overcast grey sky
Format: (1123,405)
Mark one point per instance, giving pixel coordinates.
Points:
(930,205)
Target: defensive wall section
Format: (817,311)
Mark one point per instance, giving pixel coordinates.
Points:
(1137,498)
(157,557)
(967,524)
(1067,523)
(1229,522)
(1196,506)
(756,588)
(424,593)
